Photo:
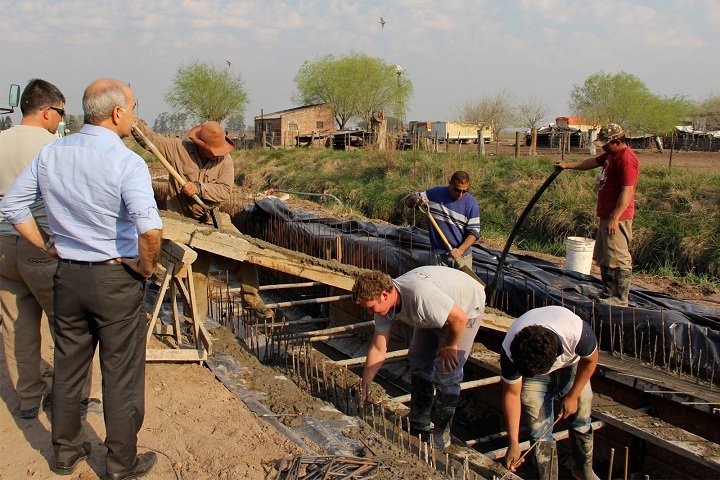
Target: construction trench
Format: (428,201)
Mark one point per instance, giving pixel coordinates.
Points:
(656,399)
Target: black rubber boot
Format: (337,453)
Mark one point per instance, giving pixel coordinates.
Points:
(443,412)
(421,402)
(546,460)
(622,288)
(608,283)
(582,453)
(608,280)
(622,279)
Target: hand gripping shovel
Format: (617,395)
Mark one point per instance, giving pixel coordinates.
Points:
(424,208)
(176,175)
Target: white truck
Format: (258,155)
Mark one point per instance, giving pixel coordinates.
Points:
(461,132)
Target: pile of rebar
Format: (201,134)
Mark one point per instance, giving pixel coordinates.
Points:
(330,467)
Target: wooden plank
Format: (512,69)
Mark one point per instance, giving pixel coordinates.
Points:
(175,355)
(244,248)
(658,432)
(164,329)
(175,252)
(561,435)
(496,320)
(463,386)
(360,360)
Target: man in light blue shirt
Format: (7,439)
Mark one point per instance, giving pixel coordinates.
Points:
(106,233)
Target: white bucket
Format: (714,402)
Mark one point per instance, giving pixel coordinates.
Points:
(579,254)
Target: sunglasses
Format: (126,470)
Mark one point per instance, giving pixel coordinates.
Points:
(460,191)
(60,111)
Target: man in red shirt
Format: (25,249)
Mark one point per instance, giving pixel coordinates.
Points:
(616,209)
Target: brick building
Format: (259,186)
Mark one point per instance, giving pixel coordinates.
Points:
(295,126)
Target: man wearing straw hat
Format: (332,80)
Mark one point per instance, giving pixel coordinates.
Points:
(204,161)
(616,209)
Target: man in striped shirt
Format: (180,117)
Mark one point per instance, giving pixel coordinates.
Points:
(458,216)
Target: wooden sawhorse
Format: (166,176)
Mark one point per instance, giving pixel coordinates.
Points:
(177,260)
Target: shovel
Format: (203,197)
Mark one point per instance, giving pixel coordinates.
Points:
(176,175)
(463,268)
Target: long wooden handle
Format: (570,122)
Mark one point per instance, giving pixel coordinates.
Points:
(175,174)
(439,232)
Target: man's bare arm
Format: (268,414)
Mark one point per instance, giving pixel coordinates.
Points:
(148,253)
(455,326)
(511,408)
(375,358)
(31,231)
(587,164)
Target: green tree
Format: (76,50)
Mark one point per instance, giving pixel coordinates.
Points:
(709,109)
(623,98)
(161,123)
(207,93)
(661,114)
(357,85)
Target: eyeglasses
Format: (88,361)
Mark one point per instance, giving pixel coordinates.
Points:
(60,111)
(460,191)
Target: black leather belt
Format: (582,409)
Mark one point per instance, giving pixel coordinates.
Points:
(112,261)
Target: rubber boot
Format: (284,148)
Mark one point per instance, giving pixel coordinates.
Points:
(582,453)
(546,460)
(622,288)
(443,412)
(623,278)
(421,402)
(247,275)
(608,281)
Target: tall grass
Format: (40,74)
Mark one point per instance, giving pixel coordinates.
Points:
(677,219)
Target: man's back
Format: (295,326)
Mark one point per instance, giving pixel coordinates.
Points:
(96,191)
(18,147)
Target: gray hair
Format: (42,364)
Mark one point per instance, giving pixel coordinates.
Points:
(99,103)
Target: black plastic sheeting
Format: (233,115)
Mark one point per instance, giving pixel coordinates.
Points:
(690,333)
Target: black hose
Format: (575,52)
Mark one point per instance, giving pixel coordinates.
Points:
(492,288)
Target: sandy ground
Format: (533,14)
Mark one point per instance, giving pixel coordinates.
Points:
(199,429)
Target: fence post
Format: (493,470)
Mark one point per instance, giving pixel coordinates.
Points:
(481,141)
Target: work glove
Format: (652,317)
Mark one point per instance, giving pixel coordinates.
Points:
(413,200)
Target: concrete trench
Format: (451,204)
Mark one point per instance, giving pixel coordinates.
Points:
(657,420)
(644,434)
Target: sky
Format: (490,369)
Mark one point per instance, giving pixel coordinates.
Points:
(453,51)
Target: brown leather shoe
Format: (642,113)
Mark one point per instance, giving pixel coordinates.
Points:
(67,468)
(143,464)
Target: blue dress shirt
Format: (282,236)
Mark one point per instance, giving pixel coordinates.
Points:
(97,192)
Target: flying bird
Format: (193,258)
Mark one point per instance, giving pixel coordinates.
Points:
(228,62)
(382,23)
